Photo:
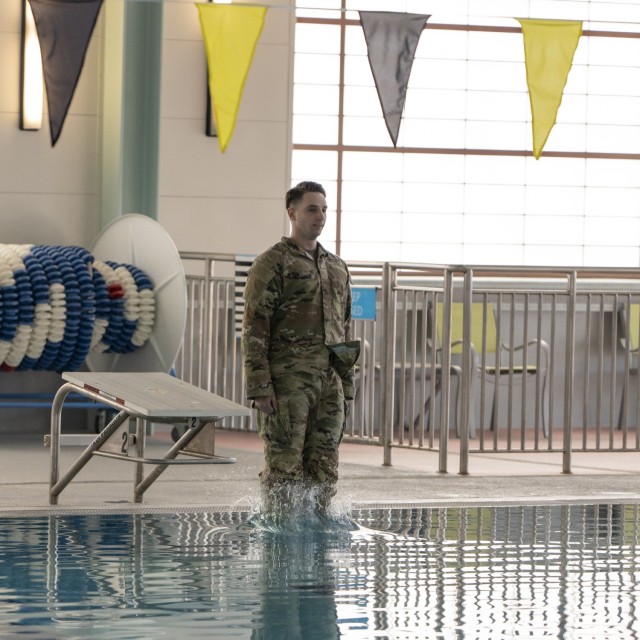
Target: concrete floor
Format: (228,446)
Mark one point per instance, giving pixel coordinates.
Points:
(413,478)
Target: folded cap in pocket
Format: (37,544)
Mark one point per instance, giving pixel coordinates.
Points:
(343,356)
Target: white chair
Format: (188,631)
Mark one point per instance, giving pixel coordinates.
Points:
(488,365)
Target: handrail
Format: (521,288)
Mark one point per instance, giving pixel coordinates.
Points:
(406,379)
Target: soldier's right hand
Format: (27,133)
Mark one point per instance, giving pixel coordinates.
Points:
(266,404)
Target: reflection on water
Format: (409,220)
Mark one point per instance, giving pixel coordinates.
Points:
(480,572)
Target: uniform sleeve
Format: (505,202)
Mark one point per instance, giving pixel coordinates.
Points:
(262,297)
(348,382)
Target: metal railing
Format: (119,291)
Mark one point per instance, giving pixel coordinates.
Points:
(505,359)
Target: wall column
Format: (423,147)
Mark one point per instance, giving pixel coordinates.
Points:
(131,68)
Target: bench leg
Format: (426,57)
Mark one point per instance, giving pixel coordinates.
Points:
(141,486)
(56,486)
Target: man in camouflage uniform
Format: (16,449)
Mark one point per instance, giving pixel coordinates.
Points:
(298,354)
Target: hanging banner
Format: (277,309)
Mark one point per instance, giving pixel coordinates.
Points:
(230,34)
(549,47)
(64,30)
(392,39)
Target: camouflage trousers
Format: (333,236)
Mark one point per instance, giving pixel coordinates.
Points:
(301,439)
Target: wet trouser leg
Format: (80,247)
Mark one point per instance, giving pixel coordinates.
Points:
(301,440)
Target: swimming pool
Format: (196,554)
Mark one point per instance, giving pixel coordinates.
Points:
(548,571)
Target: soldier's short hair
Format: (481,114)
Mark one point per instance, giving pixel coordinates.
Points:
(295,194)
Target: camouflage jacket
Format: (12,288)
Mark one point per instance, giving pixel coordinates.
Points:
(294,310)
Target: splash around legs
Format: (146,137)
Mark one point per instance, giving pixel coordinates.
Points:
(290,507)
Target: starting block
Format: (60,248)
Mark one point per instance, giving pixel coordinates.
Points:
(147,397)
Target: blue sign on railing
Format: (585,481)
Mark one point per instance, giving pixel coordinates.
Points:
(363,303)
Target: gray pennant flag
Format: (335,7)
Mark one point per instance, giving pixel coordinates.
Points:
(64,30)
(392,39)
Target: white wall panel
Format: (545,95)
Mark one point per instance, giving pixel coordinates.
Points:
(47,195)
(180,21)
(10,72)
(28,163)
(184,80)
(31,218)
(192,164)
(224,225)
(232,201)
(10,16)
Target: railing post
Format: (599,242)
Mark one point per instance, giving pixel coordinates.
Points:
(387,359)
(446,371)
(465,391)
(568,376)
(205,360)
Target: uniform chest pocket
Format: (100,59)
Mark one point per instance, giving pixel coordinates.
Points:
(294,276)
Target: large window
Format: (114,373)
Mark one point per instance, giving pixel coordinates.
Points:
(462,186)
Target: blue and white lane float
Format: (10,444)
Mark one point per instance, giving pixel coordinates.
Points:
(58,303)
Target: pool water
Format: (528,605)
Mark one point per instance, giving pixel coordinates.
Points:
(554,571)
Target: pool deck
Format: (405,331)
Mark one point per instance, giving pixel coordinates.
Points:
(413,478)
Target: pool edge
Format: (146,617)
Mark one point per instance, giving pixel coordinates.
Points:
(356,506)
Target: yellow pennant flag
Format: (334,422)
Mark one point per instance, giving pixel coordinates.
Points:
(549,46)
(230,34)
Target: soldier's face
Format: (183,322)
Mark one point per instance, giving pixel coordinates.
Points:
(308,216)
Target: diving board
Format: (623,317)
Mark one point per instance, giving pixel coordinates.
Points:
(147,397)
